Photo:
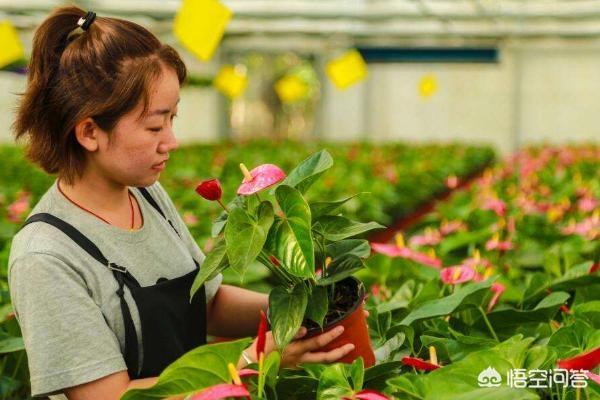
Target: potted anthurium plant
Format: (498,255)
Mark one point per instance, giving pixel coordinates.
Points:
(310,249)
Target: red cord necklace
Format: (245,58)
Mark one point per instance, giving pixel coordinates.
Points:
(96,215)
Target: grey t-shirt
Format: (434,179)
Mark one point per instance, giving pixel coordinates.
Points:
(65,301)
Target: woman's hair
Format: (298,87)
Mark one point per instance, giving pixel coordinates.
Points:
(102,73)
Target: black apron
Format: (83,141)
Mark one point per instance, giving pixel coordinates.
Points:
(171,325)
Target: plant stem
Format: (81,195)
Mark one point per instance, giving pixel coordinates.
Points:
(224,206)
(258,197)
(19,358)
(487,322)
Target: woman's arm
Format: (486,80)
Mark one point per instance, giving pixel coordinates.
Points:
(235,312)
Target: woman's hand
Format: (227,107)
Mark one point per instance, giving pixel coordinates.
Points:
(305,350)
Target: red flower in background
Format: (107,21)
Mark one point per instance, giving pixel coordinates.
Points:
(261,335)
(419,364)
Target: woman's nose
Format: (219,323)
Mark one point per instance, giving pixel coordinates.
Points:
(169,143)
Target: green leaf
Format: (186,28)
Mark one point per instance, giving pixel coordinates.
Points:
(214,263)
(10,344)
(221,220)
(577,276)
(286,311)
(505,317)
(358,247)
(464,239)
(305,174)
(341,268)
(356,370)
(245,236)
(320,208)
(335,228)
(318,305)
(293,237)
(470,295)
(271,368)
(197,369)
(390,347)
(334,384)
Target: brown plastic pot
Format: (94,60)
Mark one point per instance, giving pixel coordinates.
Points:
(355,329)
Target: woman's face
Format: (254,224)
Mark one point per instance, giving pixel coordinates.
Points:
(138,146)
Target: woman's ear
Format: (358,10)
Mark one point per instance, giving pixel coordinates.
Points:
(88,134)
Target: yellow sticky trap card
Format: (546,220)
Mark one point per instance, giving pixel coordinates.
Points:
(428,86)
(291,88)
(11,49)
(347,70)
(199,26)
(231,81)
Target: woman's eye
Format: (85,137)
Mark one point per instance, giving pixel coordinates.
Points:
(155,129)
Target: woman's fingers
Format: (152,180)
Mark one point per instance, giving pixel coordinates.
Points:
(301,332)
(320,341)
(328,356)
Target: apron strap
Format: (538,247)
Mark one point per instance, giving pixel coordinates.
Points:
(154,204)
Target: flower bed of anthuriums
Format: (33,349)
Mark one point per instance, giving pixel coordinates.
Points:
(495,296)
(500,286)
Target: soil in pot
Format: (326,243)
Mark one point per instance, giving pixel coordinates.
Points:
(347,310)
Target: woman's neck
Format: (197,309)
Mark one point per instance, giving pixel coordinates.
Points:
(108,200)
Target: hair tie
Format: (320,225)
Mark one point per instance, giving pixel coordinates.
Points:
(85,22)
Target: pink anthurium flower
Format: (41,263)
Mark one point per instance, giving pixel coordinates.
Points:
(431,237)
(221,391)
(449,227)
(496,205)
(429,260)
(18,208)
(587,204)
(247,372)
(588,360)
(457,274)
(400,250)
(451,182)
(498,289)
(259,178)
(496,244)
(367,394)
(391,250)
(594,377)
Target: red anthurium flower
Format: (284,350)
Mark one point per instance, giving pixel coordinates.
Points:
(210,189)
(457,274)
(498,289)
(260,178)
(261,335)
(565,309)
(419,364)
(595,267)
(588,360)
(367,394)
(221,391)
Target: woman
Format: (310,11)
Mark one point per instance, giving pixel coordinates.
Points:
(100,273)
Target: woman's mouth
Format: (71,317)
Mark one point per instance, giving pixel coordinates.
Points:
(160,167)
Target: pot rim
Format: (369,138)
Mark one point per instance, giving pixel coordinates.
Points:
(361,295)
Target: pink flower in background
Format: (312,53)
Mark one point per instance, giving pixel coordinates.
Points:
(208,246)
(495,244)
(18,208)
(449,227)
(511,226)
(498,289)
(496,205)
(390,174)
(367,394)
(587,204)
(594,377)
(426,259)
(457,274)
(588,228)
(451,182)
(391,250)
(476,261)
(190,219)
(430,237)
(260,178)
